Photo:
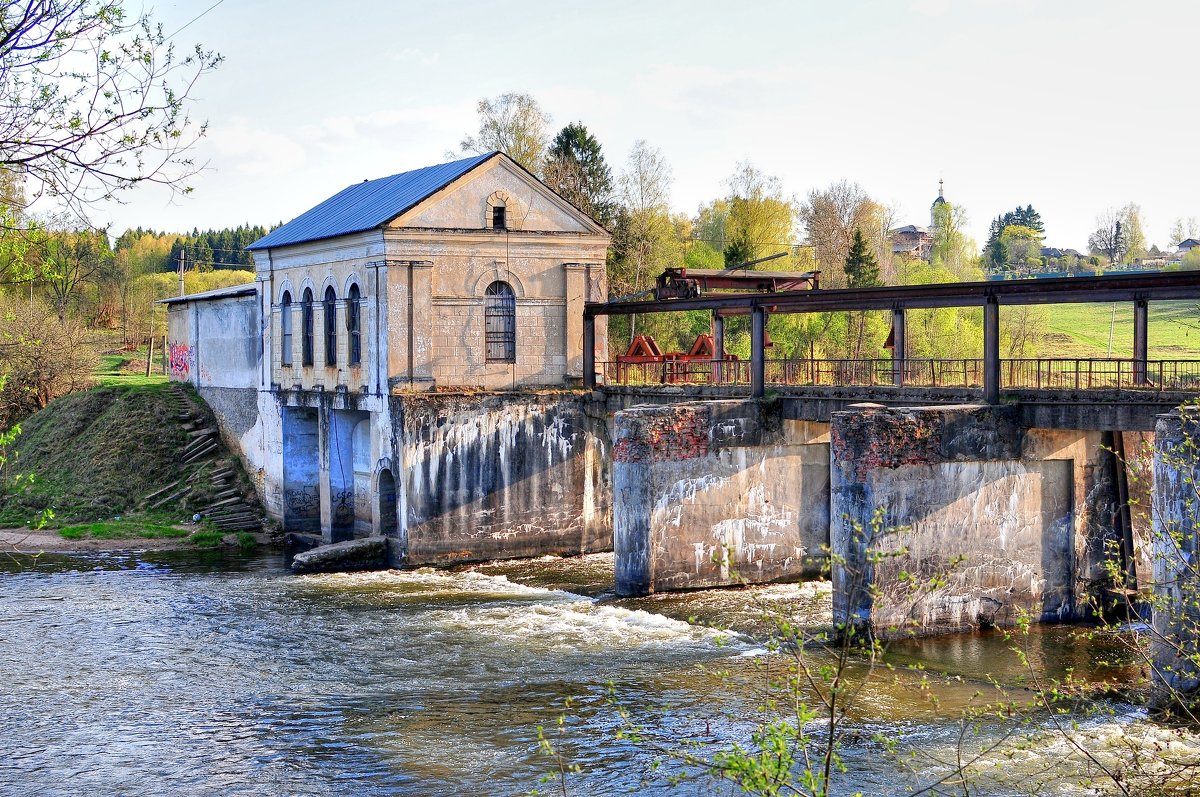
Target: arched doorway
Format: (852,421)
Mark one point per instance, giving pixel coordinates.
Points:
(389,519)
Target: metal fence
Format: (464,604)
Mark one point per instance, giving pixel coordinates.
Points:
(1033,374)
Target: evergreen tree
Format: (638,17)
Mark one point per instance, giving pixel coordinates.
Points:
(862,270)
(576,169)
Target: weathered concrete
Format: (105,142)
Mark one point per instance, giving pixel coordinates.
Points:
(495,476)
(1092,410)
(369,553)
(1175,646)
(951,517)
(717,493)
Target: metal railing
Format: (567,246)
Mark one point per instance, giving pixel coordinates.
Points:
(1015,374)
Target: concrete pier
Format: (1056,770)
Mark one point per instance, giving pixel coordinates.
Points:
(945,518)
(1175,645)
(717,493)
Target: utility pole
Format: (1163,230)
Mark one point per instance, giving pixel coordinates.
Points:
(182,258)
(1111,323)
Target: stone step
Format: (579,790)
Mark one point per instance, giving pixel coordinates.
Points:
(227,494)
(201,432)
(208,510)
(159,492)
(205,451)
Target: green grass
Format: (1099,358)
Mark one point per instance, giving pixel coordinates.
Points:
(1081,330)
(129,368)
(93,455)
(210,538)
(122,530)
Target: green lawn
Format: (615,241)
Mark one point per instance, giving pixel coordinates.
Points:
(129,368)
(1082,330)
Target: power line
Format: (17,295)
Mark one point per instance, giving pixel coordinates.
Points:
(202,13)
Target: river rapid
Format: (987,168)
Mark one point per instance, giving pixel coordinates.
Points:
(207,673)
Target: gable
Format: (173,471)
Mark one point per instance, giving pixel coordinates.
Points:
(369,204)
(529,204)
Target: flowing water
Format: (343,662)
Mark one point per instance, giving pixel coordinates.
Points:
(184,673)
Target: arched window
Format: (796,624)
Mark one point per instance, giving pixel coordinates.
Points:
(306,332)
(354,324)
(500,323)
(285,329)
(330,326)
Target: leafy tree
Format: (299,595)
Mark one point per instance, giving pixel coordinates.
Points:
(576,169)
(70,259)
(514,124)
(830,217)
(1135,237)
(760,220)
(1022,246)
(1109,237)
(862,270)
(995,253)
(644,241)
(1183,229)
(93,103)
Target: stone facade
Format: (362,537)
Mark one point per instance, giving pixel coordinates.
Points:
(471,283)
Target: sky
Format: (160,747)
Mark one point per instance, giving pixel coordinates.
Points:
(1072,106)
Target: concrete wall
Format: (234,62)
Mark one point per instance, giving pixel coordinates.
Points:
(1175,643)
(499,476)
(717,493)
(1007,520)
(215,342)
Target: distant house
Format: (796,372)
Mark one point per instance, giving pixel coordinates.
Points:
(1186,246)
(917,242)
(912,241)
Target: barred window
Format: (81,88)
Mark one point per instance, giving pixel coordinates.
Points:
(354,324)
(285,329)
(500,322)
(330,326)
(306,320)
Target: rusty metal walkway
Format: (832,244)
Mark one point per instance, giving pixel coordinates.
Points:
(990,373)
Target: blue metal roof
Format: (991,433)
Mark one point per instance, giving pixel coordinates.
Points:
(369,204)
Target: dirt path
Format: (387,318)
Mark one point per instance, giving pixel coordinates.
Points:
(50,541)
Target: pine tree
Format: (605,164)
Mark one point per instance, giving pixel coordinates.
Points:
(862,270)
(576,169)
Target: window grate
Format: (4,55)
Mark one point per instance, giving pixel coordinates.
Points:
(500,323)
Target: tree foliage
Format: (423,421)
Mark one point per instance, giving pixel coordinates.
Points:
(1110,238)
(830,217)
(576,169)
(996,251)
(515,124)
(862,270)
(93,103)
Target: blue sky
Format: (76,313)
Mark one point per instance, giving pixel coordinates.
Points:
(1074,107)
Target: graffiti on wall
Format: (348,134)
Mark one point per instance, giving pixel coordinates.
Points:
(180,359)
(303,502)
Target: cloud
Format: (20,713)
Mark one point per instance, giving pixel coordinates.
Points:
(243,149)
(410,55)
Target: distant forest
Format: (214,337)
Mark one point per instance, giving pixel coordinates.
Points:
(203,250)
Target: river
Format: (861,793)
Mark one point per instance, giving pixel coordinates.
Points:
(208,673)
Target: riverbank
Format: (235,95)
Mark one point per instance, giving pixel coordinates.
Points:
(190,536)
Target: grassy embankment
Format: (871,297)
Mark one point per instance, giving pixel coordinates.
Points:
(97,463)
